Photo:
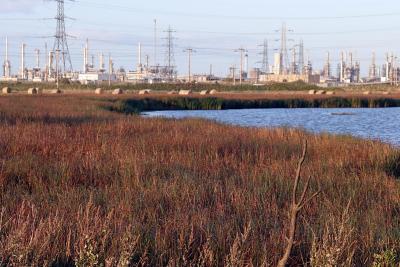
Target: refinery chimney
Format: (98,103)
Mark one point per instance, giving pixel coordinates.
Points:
(327,67)
(372,68)
(7,64)
(37,58)
(341,67)
(101,61)
(22,70)
(86,57)
(7,48)
(140,54)
(139,67)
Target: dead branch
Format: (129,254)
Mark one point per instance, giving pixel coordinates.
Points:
(296,206)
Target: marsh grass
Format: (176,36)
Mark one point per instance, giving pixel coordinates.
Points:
(137,105)
(80,185)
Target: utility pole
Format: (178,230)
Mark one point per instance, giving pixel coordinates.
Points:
(246,63)
(242,51)
(189,51)
(60,42)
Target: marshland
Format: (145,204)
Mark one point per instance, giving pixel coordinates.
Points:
(86,181)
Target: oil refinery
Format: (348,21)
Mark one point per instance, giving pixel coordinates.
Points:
(289,64)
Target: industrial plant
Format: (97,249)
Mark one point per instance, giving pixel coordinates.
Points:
(289,64)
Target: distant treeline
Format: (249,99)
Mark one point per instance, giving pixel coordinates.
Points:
(213,103)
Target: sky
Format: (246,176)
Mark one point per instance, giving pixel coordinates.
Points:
(214,28)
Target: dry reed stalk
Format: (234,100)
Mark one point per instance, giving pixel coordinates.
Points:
(296,206)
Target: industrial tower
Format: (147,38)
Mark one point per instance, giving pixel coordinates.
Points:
(372,68)
(170,60)
(327,67)
(301,57)
(264,53)
(284,51)
(60,43)
(7,64)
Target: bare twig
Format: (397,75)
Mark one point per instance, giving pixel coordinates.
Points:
(296,207)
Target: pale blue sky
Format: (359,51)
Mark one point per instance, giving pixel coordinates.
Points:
(213,28)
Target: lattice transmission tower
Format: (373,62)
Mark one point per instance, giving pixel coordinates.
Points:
(60,42)
(170,56)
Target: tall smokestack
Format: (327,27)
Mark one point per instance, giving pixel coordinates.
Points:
(37,58)
(22,70)
(86,57)
(140,55)
(7,48)
(101,61)
(341,67)
(155,42)
(7,64)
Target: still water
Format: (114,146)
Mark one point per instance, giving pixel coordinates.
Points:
(380,124)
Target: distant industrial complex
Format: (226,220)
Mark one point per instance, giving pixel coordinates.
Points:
(289,64)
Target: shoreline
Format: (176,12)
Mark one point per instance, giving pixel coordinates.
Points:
(136,105)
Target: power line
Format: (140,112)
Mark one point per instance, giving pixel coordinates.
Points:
(224,16)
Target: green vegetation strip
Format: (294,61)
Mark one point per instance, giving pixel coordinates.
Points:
(135,106)
(196,87)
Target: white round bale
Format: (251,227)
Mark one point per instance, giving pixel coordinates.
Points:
(6,90)
(117,91)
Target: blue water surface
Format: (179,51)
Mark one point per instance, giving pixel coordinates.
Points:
(379,124)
